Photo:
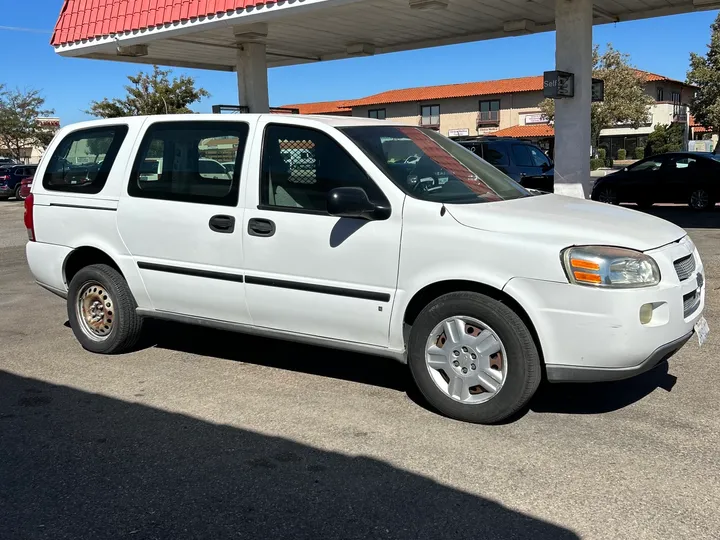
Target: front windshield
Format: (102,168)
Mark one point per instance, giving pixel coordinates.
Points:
(431,167)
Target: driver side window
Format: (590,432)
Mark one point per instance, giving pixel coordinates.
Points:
(300,166)
(651,164)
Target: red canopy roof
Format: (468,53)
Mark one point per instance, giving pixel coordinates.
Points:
(84,19)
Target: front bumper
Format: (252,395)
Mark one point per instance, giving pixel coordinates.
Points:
(556,373)
(588,334)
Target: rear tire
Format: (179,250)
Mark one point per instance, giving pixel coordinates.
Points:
(102,310)
(17,193)
(514,370)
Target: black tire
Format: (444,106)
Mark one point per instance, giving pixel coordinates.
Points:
(644,204)
(606,195)
(523,362)
(17,193)
(126,323)
(701,199)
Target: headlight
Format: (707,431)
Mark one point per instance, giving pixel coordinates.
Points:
(611,267)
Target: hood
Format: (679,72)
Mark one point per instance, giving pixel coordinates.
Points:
(569,221)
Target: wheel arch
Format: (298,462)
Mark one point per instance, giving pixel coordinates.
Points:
(434,290)
(84,256)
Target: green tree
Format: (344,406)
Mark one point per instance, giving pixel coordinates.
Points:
(705,74)
(665,138)
(19,126)
(626,101)
(151,93)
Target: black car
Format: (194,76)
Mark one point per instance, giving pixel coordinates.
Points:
(522,161)
(677,177)
(10,177)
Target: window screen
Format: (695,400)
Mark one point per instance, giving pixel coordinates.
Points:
(82,161)
(187,161)
(300,166)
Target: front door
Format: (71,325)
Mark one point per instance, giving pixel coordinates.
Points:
(180,218)
(309,272)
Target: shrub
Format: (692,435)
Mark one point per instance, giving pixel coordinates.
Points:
(622,154)
(609,162)
(665,139)
(639,152)
(596,163)
(602,153)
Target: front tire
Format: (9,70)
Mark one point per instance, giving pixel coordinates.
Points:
(700,200)
(607,195)
(473,358)
(102,310)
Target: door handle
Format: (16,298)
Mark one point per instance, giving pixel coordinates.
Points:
(222,224)
(261,227)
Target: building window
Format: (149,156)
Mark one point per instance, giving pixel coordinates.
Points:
(660,94)
(380,114)
(489,112)
(676,103)
(430,116)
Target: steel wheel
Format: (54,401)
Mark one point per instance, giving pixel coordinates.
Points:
(699,199)
(608,196)
(466,360)
(94,308)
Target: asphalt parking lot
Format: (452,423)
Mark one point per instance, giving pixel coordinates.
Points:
(204,434)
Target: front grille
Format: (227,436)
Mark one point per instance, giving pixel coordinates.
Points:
(691,301)
(685,267)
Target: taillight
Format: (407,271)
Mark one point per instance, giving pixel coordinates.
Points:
(29,222)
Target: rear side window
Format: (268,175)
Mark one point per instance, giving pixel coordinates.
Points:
(521,155)
(82,161)
(183,161)
(495,154)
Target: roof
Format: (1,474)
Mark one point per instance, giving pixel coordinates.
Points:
(85,19)
(426,93)
(539,130)
(447,91)
(321,107)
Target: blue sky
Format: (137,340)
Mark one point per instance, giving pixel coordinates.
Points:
(27,60)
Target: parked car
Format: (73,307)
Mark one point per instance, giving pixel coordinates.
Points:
(522,161)
(476,283)
(25,188)
(678,177)
(10,177)
(7,161)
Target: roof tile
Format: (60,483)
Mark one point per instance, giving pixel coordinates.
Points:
(116,16)
(540,130)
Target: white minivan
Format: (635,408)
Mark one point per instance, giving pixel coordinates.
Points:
(442,262)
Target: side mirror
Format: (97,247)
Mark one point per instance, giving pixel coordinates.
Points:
(353,202)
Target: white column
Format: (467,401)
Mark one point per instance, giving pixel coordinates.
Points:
(252,68)
(573,53)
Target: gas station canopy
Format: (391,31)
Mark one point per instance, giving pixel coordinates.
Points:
(206,33)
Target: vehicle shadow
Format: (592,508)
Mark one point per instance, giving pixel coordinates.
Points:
(326,362)
(595,398)
(683,216)
(83,465)
(599,398)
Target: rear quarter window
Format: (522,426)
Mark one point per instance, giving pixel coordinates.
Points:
(82,161)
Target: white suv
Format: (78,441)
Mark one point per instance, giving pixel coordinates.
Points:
(442,261)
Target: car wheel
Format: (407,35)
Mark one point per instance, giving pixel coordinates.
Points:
(700,199)
(607,195)
(101,310)
(17,193)
(473,358)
